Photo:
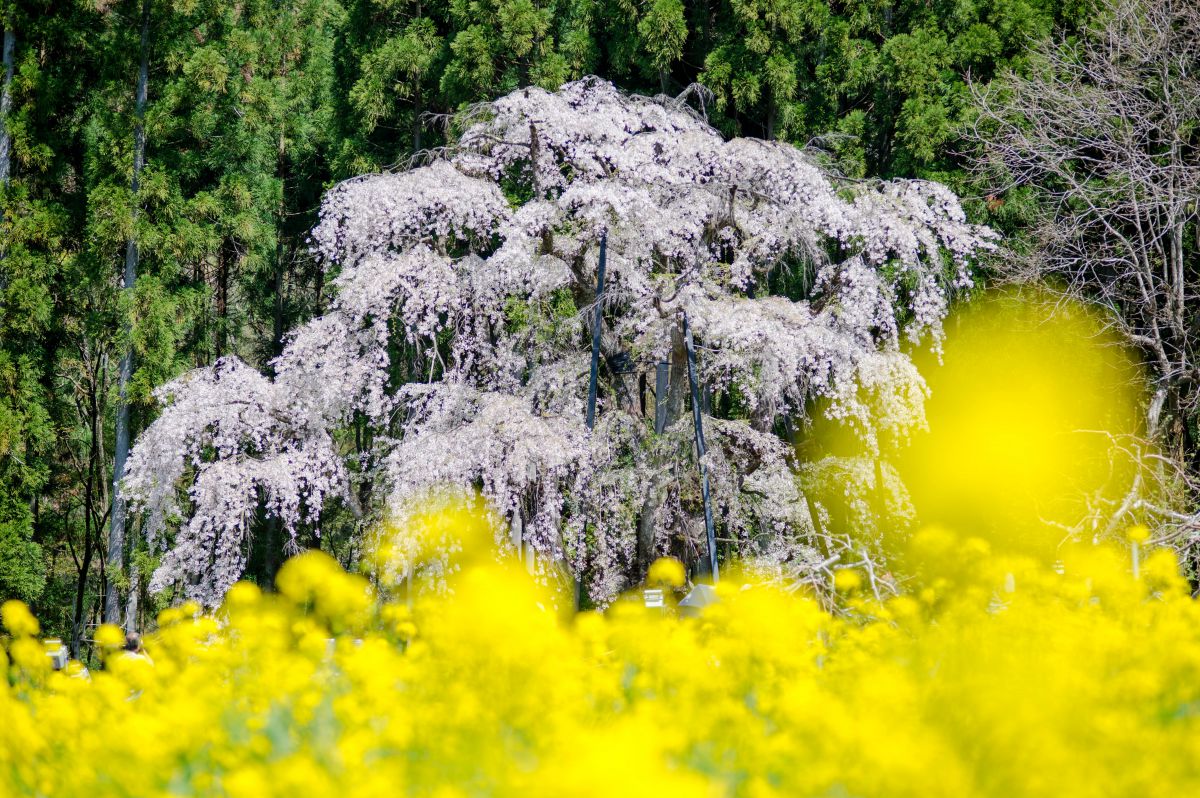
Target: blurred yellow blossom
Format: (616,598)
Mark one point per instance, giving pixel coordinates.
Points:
(847,580)
(110,636)
(666,571)
(29,655)
(1138,533)
(1026,682)
(17,618)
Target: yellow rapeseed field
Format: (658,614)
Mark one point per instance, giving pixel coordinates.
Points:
(995,677)
(995,672)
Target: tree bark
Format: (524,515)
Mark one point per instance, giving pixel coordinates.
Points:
(418,102)
(80,589)
(10,41)
(93,468)
(677,389)
(116,530)
(281,251)
(224,255)
(272,551)
(277,314)
(772,111)
(131,604)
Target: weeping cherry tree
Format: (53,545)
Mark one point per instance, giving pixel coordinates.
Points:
(479,269)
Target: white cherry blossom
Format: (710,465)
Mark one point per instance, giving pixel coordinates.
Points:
(483,262)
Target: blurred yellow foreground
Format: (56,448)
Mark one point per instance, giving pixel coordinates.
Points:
(1016,682)
(1023,416)
(997,675)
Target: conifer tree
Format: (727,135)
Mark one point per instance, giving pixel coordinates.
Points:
(35,245)
(116,534)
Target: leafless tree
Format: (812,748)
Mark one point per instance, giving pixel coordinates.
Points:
(1105,129)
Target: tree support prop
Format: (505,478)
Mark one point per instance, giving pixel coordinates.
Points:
(596,321)
(697,418)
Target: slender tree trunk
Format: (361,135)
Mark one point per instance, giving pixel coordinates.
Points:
(10,41)
(272,534)
(418,102)
(281,251)
(272,550)
(93,467)
(80,590)
(116,530)
(772,110)
(534,157)
(698,410)
(131,605)
(281,255)
(224,255)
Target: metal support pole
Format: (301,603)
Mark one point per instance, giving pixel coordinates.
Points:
(700,450)
(591,405)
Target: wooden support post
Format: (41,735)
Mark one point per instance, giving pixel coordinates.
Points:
(596,321)
(697,418)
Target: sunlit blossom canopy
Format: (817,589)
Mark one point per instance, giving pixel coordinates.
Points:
(440,257)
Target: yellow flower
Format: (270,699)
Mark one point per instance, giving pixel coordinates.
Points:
(30,655)
(976,547)
(271,699)
(1161,571)
(304,577)
(667,571)
(18,619)
(242,596)
(1138,533)
(847,580)
(249,782)
(110,637)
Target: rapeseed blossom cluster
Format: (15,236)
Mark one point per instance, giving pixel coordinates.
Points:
(993,677)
